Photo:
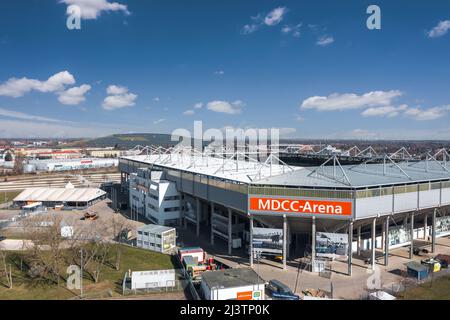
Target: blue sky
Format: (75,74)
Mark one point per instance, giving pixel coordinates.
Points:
(311,68)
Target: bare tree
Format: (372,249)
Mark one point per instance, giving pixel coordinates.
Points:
(6,270)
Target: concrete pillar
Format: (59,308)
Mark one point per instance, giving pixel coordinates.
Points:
(212,226)
(383,234)
(230,234)
(197,208)
(358,242)
(251,241)
(425,226)
(433,232)
(350,249)
(386,242)
(374,229)
(313,243)
(411,234)
(284,241)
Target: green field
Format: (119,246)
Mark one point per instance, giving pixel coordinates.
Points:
(110,279)
(8,196)
(439,289)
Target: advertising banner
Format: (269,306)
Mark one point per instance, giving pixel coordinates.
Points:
(331,245)
(267,241)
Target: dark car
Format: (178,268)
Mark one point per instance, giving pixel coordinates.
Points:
(280,291)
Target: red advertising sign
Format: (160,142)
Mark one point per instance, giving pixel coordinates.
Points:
(301,206)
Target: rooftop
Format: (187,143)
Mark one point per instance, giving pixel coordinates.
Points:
(68,194)
(231,278)
(154,228)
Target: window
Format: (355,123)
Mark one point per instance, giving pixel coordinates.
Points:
(172,209)
(140,232)
(169,198)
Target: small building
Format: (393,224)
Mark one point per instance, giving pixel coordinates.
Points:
(156,238)
(232,284)
(69,197)
(153,279)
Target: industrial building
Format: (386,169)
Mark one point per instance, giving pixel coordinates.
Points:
(156,238)
(388,201)
(32,166)
(68,197)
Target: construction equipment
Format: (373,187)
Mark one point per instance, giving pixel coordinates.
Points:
(90,216)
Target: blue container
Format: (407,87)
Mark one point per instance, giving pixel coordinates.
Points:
(417,270)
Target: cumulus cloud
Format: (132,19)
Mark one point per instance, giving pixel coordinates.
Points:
(15,88)
(198,105)
(337,101)
(325,41)
(75,95)
(440,30)
(427,114)
(275,16)
(189,112)
(92,9)
(226,107)
(118,98)
(386,111)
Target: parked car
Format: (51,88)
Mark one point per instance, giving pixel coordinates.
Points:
(280,291)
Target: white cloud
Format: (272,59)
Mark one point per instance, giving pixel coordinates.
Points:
(250,28)
(23,116)
(226,107)
(440,30)
(325,41)
(198,105)
(159,121)
(113,90)
(118,98)
(219,72)
(92,9)
(189,112)
(15,88)
(75,95)
(156,99)
(337,101)
(275,16)
(294,30)
(427,114)
(386,111)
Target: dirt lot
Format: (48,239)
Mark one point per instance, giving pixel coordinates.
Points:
(106,226)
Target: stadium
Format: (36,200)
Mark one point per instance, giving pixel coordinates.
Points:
(379,206)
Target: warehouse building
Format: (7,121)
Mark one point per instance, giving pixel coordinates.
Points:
(32,166)
(68,197)
(340,208)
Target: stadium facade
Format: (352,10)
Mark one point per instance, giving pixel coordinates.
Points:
(232,195)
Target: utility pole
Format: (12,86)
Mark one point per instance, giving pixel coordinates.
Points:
(81,275)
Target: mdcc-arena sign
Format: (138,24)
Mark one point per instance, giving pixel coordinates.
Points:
(300,206)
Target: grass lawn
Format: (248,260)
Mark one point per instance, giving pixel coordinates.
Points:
(439,290)
(8,196)
(110,279)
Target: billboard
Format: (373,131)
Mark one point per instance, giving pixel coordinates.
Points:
(268,241)
(331,245)
(301,206)
(442,226)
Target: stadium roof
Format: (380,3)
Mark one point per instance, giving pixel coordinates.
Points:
(363,175)
(277,173)
(244,170)
(59,195)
